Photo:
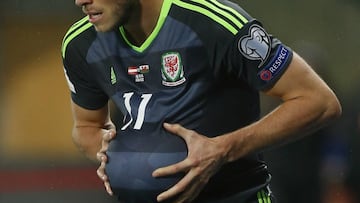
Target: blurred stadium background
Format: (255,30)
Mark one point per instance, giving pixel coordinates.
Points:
(39,163)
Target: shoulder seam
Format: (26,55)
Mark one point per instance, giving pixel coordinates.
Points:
(75,30)
(240,17)
(224,15)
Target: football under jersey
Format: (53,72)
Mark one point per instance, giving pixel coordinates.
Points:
(201,67)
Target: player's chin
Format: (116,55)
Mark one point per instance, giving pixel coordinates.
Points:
(102,28)
(105,27)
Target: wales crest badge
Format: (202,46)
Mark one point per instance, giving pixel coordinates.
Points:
(172,69)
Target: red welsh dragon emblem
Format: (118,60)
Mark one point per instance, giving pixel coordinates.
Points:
(172,70)
(172,65)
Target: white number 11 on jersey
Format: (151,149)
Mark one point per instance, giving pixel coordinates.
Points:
(145,98)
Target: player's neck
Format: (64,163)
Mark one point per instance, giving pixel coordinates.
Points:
(143,21)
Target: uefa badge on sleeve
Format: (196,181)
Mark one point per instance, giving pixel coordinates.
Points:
(256,45)
(172,69)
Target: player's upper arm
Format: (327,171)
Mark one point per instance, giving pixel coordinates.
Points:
(90,118)
(300,81)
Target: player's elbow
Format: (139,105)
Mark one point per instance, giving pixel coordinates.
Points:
(77,141)
(335,109)
(331,107)
(85,145)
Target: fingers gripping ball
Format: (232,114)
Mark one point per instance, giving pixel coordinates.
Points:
(132,158)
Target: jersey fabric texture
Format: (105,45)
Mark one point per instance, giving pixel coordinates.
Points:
(201,67)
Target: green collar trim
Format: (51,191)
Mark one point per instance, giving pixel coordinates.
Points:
(163,14)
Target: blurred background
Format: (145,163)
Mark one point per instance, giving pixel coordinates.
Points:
(39,163)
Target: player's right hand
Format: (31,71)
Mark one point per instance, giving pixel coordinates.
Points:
(102,157)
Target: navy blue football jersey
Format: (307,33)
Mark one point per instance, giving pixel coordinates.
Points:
(201,67)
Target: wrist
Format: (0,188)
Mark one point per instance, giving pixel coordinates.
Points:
(226,147)
(236,144)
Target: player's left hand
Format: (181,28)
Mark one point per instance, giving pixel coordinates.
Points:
(102,158)
(205,157)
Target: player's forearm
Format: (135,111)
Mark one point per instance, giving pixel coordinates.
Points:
(293,119)
(88,139)
(89,127)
